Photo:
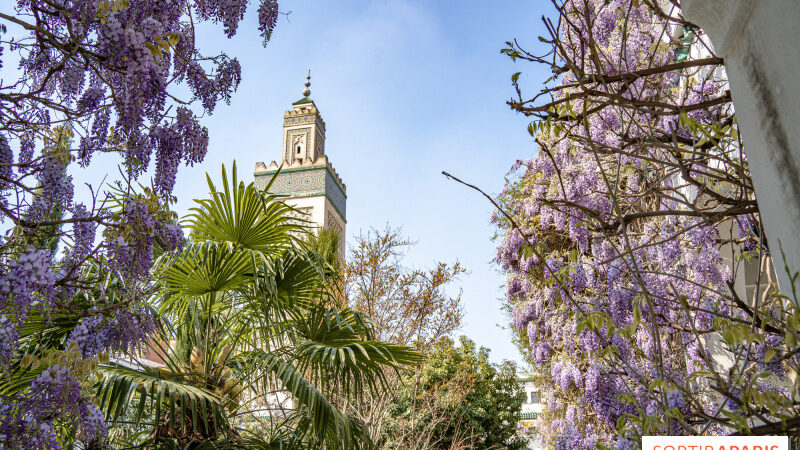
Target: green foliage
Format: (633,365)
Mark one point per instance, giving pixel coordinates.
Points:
(57,143)
(460,399)
(240,307)
(325,243)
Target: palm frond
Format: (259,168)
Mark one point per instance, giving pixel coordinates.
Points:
(325,421)
(338,345)
(244,217)
(203,268)
(120,388)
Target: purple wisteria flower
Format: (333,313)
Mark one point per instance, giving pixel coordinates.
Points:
(99,80)
(628,272)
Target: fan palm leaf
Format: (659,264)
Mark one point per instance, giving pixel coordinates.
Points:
(120,387)
(243,217)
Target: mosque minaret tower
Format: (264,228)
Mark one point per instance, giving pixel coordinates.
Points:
(306,176)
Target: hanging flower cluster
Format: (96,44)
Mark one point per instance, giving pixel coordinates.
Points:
(629,236)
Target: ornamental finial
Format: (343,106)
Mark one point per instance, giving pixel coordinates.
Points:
(306,91)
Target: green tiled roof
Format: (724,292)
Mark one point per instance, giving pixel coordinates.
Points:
(302,100)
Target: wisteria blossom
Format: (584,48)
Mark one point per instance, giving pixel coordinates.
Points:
(628,237)
(94,77)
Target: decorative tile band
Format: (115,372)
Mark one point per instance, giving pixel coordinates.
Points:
(318,181)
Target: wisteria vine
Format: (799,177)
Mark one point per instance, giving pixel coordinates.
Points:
(639,277)
(95,76)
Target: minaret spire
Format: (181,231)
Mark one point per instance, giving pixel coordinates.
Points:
(306,91)
(308,178)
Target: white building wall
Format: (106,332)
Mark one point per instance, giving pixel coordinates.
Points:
(314,207)
(758,41)
(533,405)
(320,211)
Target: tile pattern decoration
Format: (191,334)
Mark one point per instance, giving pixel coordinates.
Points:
(298,120)
(261,181)
(335,194)
(316,181)
(299,182)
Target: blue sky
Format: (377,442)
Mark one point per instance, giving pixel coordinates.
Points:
(407,89)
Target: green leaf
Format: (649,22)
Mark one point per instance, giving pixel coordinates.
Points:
(769,355)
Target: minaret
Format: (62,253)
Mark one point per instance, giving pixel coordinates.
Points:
(310,181)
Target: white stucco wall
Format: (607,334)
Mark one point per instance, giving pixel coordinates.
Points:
(759,43)
(321,213)
(317,205)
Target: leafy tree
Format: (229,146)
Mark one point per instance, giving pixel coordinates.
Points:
(243,301)
(325,243)
(458,399)
(408,306)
